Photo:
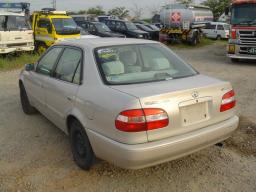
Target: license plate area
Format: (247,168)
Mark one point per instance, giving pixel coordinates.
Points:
(194,113)
(252,51)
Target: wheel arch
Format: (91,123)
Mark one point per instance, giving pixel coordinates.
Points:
(75,116)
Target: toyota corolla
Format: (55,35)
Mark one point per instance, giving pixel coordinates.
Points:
(131,102)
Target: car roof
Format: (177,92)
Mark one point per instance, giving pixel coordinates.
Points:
(102,42)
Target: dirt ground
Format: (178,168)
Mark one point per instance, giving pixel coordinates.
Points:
(35,155)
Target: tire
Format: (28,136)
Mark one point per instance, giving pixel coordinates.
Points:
(80,145)
(195,40)
(234,60)
(41,48)
(26,106)
(218,37)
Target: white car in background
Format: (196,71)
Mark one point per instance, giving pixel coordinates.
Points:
(217,30)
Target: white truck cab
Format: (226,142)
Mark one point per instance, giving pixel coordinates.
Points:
(15,30)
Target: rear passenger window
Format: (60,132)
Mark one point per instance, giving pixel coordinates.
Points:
(68,68)
(220,27)
(213,27)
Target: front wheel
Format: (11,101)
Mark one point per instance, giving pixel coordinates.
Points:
(81,148)
(41,48)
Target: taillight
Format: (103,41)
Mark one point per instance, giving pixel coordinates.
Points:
(228,101)
(233,33)
(138,120)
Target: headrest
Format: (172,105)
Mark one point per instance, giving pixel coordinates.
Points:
(113,68)
(128,57)
(160,64)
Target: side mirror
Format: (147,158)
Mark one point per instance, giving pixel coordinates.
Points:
(29,67)
(227,11)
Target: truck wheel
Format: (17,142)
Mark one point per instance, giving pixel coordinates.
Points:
(218,37)
(80,145)
(26,106)
(41,48)
(194,41)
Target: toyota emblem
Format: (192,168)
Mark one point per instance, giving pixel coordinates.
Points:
(195,94)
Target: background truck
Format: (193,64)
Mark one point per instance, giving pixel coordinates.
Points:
(51,26)
(242,41)
(183,22)
(15,31)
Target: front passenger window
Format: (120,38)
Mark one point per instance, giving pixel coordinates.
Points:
(47,62)
(68,68)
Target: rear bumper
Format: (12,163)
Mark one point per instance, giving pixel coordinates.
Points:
(16,49)
(153,153)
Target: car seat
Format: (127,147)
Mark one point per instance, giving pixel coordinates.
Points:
(129,59)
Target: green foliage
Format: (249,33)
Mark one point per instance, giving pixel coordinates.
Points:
(217,6)
(11,61)
(186,2)
(98,10)
(120,12)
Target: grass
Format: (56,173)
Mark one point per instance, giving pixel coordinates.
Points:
(204,42)
(12,61)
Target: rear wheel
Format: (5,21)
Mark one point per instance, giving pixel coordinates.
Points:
(218,37)
(81,148)
(26,106)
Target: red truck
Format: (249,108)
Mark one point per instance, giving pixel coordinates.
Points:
(242,40)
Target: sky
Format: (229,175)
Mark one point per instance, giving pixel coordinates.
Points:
(75,5)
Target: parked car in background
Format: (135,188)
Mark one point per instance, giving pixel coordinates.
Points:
(126,28)
(151,26)
(158,25)
(98,29)
(153,34)
(217,30)
(131,102)
(103,18)
(82,18)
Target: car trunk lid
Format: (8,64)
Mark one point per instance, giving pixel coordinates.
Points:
(191,103)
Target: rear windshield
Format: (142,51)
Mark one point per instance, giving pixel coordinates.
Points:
(131,64)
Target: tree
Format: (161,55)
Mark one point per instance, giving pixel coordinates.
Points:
(137,11)
(154,9)
(120,12)
(186,2)
(217,6)
(96,11)
(82,12)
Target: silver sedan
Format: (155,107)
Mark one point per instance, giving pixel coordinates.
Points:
(131,102)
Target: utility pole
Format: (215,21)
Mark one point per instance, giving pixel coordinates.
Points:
(54,4)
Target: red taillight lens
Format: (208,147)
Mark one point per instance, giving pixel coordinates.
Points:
(138,120)
(233,34)
(228,101)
